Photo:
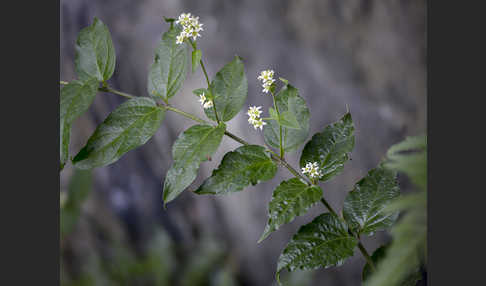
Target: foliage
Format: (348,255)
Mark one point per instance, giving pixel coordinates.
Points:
(326,241)
(71,203)
(157,265)
(407,251)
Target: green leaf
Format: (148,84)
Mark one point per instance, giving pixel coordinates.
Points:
(229,89)
(169,68)
(196,58)
(247,165)
(364,205)
(288,100)
(204,91)
(408,248)
(273,114)
(379,254)
(129,126)
(79,189)
(288,119)
(193,147)
(76,97)
(290,199)
(410,157)
(324,242)
(95,53)
(330,148)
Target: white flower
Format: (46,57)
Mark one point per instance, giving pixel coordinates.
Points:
(312,169)
(267,85)
(180,38)
(266,77)
(184,19)
(208,104)
(254,117)
(190,27)
(195,34)
(254,111)
(258,123)
(202,98)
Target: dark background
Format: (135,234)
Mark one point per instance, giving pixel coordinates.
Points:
(370,55)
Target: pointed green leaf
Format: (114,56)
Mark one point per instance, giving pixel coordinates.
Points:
(169,69)
(129,126)
(330,148)
(229,89)
(408,248)
(379,254)
(288,100)
(364,205)
(324,242)
(288,120)
(409,156)
(247,165)
(273,114)
(95,53)
(194,146)
(76,97)
(196,58)
(290,199)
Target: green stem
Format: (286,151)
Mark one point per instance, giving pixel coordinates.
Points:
(360,245)
(328,206)
(236,138)
(274,156)
(282,153)
(194,47)
(366,256)
(185,114)
(110,90)
(209,87)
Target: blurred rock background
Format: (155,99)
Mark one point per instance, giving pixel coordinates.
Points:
(369,55)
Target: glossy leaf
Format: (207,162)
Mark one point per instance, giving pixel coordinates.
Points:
(247,165)
(290,199)
(323,243)
(169,68)
(229,89)
(410,280)
(364,205)
(129,126)
(409,156)
(95,53)
(330,148)
(288,100)
(194,146)
(196,58)
(76,97)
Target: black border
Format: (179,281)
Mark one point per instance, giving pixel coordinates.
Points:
(30,139)
(455,216)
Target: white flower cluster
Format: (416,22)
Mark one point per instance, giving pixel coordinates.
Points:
(312,169)
(190,27)
(206,103)
(267,78)
(254,117)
